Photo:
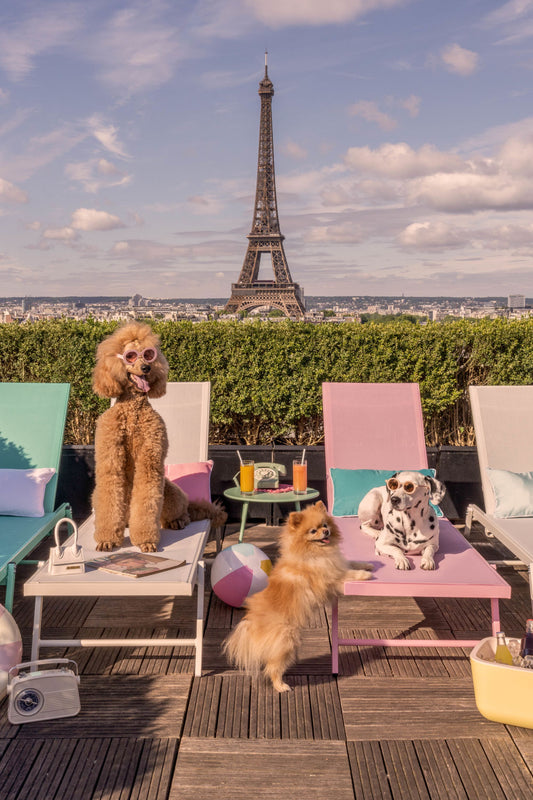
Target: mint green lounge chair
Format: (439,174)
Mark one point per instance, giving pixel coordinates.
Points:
(32,422)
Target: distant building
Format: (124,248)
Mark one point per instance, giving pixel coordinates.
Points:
(516,301)
(135,300)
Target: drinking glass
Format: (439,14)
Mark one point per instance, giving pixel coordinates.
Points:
(247,477)
(299,476)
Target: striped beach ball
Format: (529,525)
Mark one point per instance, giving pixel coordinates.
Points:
(239,571)
(10,647)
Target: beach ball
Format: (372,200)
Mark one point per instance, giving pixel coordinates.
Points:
(239,571)
(10,647)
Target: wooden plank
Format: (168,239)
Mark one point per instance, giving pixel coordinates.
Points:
(432,707)
(82,771)
(203,707)
(369,775)
(440,773)
(475,770)
(17,762)
(513,774)
(405,776)
(124,611)
(155,771)
(314,654)
(386,612)
(242,769)
(139,706)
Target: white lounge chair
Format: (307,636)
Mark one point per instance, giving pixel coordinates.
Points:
(503,421)
(185,409)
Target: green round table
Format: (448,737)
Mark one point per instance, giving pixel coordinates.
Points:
(269,498)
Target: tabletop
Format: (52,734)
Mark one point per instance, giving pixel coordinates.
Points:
(186,544)
(266,496)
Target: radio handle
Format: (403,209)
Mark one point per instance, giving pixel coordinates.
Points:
(47,661)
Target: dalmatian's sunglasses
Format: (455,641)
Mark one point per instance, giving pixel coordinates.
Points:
(393,484)
(148,355)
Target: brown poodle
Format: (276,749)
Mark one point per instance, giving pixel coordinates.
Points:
(131,445)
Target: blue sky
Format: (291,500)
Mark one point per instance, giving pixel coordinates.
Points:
(403,138)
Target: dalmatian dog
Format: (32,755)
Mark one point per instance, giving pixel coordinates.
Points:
(398,516)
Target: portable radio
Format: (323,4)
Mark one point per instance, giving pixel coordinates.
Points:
(41,694)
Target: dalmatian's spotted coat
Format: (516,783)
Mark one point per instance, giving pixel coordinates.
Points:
(404,523)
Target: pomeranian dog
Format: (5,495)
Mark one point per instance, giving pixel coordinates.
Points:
(309,572)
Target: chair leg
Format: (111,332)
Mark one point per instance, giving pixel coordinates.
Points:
(10,586)
(468,522)
(218,537)
(530,571)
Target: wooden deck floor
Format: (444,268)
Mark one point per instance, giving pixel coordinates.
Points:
(394,725)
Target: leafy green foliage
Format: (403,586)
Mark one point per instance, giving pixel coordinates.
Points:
(266,377)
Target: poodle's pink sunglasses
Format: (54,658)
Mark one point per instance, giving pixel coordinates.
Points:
(148,355)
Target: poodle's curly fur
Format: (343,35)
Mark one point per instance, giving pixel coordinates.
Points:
(130,448)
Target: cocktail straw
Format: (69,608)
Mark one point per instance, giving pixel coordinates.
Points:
(303,456)
(240,457)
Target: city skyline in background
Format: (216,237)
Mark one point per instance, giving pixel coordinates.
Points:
(403,144)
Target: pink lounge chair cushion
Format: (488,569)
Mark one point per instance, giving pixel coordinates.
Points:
(351,485)
(194,479)
(460,570)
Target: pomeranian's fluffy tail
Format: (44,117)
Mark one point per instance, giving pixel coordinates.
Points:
(241,650)
(271,648)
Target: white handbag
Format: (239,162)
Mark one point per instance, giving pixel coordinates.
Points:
(66,560)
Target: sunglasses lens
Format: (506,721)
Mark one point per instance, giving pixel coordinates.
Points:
(393,484)
(130,356)
(409,487)
(149,355)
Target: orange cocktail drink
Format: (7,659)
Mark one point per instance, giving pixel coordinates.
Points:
(247,477)
(299,477)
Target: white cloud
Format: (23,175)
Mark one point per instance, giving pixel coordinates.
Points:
(509,12)
(294,150)
(432,235)
(143,252)
(137,49)
(106,135)
(464,193)
(459,60)
(95,174)
(90,219)
(280,13)
(42,29)
(515,18)
(401,161)
(370,112)
(343,233)
(204,204)
(65,234)
(516,155)
(412,105)
(11,193)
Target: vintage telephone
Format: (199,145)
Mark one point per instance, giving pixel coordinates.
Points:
(266,475)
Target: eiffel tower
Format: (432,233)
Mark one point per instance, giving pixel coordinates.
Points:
(265,237)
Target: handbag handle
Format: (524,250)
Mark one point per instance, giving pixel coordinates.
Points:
(75,546)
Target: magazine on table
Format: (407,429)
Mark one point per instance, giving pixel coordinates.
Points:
(134,565)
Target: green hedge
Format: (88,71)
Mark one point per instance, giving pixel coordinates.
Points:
(266,376)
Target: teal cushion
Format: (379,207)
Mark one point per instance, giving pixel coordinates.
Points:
(513,493)
(351,485)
